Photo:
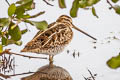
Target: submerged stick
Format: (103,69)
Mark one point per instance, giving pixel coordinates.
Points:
(7,51)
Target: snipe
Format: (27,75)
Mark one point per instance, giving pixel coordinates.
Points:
(54,39)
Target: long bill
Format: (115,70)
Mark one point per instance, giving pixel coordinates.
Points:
(84,32)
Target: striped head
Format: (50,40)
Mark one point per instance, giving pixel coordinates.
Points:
(65,19)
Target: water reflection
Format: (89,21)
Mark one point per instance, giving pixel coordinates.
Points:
(49,73)
(7,64)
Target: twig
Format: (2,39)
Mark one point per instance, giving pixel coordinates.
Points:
(7,51)
(91,74)
(85,78)
(48,3)
(9,76)
(33,16)
(21,74)
(7,2)
(4,76)
(111,6)
(36,15)
(27,27)
(25,73)
(14,65)
(17,23)
(1,79)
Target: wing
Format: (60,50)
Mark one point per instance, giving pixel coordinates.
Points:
(39,32)
(54,37)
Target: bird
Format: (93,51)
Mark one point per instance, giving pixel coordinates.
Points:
(54,39)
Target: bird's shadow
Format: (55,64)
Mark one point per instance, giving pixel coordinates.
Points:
(49,73)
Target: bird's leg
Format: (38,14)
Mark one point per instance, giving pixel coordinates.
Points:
(51,60)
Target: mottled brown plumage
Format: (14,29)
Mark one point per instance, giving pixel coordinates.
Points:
(50,41)
(54,39)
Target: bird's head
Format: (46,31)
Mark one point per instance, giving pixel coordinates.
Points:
(68,20)
(65,19)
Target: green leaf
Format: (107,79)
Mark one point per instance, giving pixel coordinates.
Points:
(7,35)
(25,16)
(74,9)
(117,9)
(114,62)
(82,3)
(4,41)
(114,1)
(42,25)
(1,48)
(27,4)
(11,9)
(24,6)
(23,1)
(14,32)
(92,2)
(28,21)
(19,2)
(24,31)
(62,4)
(94,12)
(19,11)
(19,43)
(0,33)
(4,22)
(96,1)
